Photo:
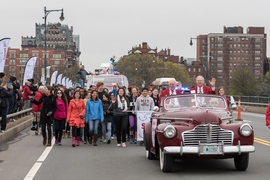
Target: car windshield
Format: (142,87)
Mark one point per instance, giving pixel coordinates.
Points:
(194,100)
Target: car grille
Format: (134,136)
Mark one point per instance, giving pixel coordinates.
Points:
(207,133)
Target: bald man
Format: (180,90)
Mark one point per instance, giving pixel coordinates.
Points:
(201,88)
(171,90)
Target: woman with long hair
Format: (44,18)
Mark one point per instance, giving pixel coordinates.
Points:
(155,96)
(75,117)
(112,98)
(94,115)
(119,107)
(221,92)
(60,115)
(46,114)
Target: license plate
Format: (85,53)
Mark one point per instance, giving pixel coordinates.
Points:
(211,150)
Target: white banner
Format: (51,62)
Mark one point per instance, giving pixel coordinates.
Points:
(66,83)
(142,118)
(63,83)
(42,80)
(59,79)
(29,69)
(53,78)
(3,52)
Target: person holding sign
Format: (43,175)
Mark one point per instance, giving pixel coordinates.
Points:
(144,103)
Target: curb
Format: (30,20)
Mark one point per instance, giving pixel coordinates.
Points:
(13,131)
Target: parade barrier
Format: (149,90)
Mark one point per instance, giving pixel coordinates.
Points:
(23,120)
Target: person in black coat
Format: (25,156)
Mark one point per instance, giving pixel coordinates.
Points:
(5,94)
(46,114)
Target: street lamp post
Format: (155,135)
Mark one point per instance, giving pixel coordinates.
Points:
(204,61)
(46,13)
(164,59)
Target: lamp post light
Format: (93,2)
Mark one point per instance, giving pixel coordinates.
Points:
(164,59)
(204,61)
(46,13)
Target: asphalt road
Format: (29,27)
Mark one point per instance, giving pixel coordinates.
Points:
(21,157)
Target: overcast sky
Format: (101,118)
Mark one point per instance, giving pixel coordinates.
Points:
(112,27)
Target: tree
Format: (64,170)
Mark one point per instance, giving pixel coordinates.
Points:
(243,82)
(267,77)
(143,69)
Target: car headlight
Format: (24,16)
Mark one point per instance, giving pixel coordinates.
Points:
(246,129)
(169,131)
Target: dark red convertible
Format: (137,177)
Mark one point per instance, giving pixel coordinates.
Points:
(197,126)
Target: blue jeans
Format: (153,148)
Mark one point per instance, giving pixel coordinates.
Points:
(81,81)
(93,126)
(106,128)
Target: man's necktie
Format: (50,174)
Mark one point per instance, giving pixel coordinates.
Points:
(172,100)
(200,98)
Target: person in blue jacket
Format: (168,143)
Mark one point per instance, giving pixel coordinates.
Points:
(94,115)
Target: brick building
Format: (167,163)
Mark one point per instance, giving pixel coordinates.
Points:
(163,54)
(62,51)
(220,53)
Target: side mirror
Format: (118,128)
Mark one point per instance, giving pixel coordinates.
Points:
(156,109)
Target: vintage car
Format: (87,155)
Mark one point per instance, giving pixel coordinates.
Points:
(197,126)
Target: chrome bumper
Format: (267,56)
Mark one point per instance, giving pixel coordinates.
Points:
(198,150)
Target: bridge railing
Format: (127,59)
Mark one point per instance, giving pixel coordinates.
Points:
(19,114)
(253,100)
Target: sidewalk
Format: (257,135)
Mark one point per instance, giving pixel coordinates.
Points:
(13,128)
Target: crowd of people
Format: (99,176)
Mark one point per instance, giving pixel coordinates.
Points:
(88,115)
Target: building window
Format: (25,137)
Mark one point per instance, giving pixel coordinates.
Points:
(257,52)
(22,62)
(257,65)
(12,61)
(56,62)
(257,58)
(24,55)
(56,56)
(12,68)
(219,65)
(22,69)
(35,54)
(257,72)
(194,69)
(219,58)
(47,55)
(257,46)
(12,55)
(199,69)
(219,71)
(257,39)
(188,69)
(219,52)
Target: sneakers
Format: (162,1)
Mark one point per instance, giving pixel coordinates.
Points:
(12,120)
(109,141)
(124,145)
(135,142)
(118,145)
(112,138)
(2,131)
(131,141)
(105,141)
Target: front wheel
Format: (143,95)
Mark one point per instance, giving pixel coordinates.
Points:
(150,155)
(241,162)
(166,161)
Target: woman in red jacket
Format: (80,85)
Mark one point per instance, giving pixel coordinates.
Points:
(37,108)
(60,115)
(75,117)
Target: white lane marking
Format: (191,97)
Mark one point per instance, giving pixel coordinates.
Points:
(31,174)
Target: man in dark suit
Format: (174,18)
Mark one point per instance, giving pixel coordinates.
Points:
(201,88)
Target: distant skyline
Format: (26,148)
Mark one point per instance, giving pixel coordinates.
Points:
(110,28)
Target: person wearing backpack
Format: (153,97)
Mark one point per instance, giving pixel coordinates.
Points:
(46,114)
(5,94)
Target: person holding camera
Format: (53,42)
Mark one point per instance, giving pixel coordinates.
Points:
(82,76)
(5,94)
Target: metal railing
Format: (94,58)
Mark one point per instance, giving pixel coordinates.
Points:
(253,99)
(19,114)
